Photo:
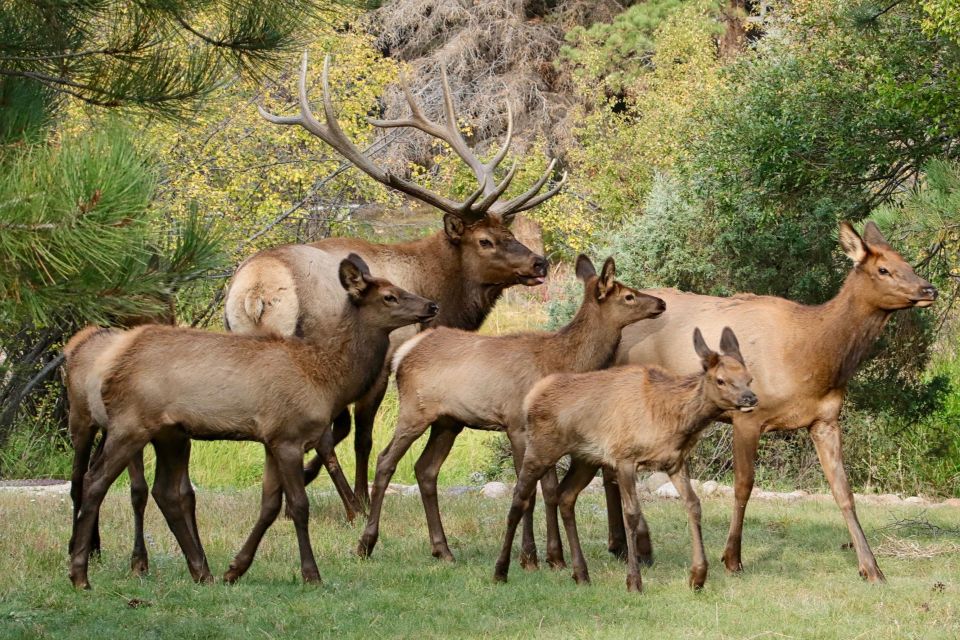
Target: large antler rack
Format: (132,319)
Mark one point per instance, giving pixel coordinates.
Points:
(482,202)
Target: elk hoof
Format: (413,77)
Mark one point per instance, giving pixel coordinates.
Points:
(732,563)
(634,584)
(646,559)
(556,563)
(443,554)
(582,579)
(618,551)
(232,575)
(697,579)
(529,561)
(311,577)
(139,566)
(873,575)
(364,548)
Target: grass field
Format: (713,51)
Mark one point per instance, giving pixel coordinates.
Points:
(799,583)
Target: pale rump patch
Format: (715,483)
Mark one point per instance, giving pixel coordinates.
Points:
(263,296)
(407,347)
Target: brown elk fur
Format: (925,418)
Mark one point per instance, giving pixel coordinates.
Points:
(620,419)
(279,290)
(165,385)
(802,356)
(450,379)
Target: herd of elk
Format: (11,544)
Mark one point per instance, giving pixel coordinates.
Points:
(464,268)
(622,419)
(314,329)
(448,379)
(166,385)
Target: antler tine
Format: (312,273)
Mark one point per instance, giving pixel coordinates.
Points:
(526,200)
(455,139)
(491,197)
(497,159)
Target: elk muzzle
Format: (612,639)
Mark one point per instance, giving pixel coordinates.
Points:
(747,402)
(927,296)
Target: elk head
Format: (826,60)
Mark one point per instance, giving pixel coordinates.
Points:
(727,378)
(382,303)
(477,227)
(884,279)
(621,304)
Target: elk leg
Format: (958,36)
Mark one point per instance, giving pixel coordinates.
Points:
(617,535)
(188,497)
(138,499)
(290,465)
(698,569)
(826,439)
(341,429)
(530,472)
(627,478)
(427,469)
(404,435)
(82,444)
(528,545)
(102,474)
(745,441)
(578,477)
(270,500)
(364,415)
(549,483)
(171,461)
(95,536)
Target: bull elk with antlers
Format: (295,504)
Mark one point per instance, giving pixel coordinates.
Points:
(802,357)
(465,267)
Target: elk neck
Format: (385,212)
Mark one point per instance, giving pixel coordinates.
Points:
(680,401)
(587,343)
(351,354)
(848,327)
(464,303)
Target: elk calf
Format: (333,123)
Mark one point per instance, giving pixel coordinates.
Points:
(624,418)
(450,379)
(165,385)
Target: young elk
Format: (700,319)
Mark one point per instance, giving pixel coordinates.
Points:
(465,267)
(165,385)
(803,357)
(448,379)
(620,419)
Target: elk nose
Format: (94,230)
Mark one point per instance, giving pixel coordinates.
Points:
(661,305)
(748,399)
(930,291)
(540,265)
(433,308)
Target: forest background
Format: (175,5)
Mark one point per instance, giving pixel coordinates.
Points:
(711,145)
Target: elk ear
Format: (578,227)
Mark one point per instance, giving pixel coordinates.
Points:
(730,346)
(585,268)
(853,245)
(354,274)
(453,227)
(608,278)
(708,357)
(872,235)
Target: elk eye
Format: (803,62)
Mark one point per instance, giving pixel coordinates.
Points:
(629,297)
(720,382)
(486,244)
(883,271)
(392,299)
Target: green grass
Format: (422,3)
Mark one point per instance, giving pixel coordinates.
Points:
(799,583)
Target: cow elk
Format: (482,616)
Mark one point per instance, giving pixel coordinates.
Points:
(803,358)
(622,419)
(166,385)
(448,379)
(465,267)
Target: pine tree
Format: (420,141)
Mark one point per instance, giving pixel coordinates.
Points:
(80,240)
